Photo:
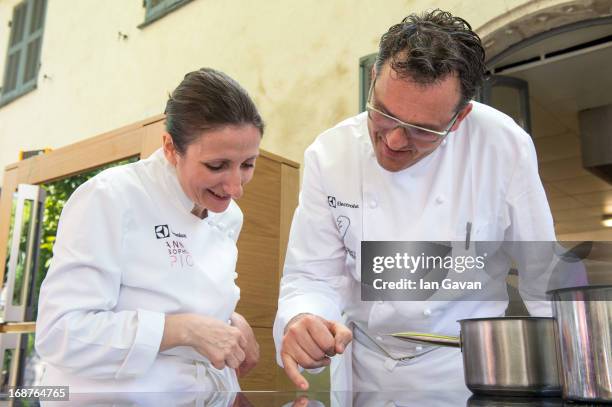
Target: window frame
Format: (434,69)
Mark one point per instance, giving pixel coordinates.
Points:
(154,13)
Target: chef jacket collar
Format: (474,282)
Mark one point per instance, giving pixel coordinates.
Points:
(172,181)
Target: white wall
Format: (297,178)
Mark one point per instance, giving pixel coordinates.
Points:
(298,59)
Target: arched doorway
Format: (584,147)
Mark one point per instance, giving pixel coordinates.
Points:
(550,62)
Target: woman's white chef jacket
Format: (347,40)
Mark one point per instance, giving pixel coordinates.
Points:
(129,251)
(485,173)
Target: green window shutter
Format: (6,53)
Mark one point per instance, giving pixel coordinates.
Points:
(13,59)
(365,68)
(25,43)
(37,18)
(155,9)
(10,76)
(34,41)
(18,23)
(155,3)
(32,60)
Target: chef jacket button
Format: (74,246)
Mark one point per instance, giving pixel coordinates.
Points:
(443,143)
(427,312)
(379,338)
(390,364)
(419,348)
(373,203)
(440,200)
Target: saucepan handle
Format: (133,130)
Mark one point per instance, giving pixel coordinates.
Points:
(429,339)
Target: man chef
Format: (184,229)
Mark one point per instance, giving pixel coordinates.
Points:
(424,163)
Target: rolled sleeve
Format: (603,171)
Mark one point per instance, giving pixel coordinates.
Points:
(146,344)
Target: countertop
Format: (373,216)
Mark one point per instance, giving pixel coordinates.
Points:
(290,399)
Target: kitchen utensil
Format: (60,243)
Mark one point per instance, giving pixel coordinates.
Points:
(504,356)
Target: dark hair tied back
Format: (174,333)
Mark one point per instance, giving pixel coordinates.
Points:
(205,100)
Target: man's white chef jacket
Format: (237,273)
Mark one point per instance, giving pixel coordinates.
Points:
(485,173)
(129,251)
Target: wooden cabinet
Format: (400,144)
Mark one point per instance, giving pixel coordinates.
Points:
(268,205)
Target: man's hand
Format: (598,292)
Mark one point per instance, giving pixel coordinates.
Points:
(252,347)
(309,342)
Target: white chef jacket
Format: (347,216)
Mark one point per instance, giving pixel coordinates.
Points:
(129,251)
(485,173)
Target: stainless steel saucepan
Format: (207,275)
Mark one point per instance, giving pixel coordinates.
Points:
(583,322)
(505,356)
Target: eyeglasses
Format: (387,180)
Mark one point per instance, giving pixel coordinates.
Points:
(386,123)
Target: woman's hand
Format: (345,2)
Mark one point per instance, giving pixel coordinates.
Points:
(223,344)
(252,348)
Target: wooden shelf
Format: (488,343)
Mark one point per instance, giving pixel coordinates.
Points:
(17,327)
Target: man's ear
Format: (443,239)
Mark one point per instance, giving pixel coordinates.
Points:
(169,148)
(462,115)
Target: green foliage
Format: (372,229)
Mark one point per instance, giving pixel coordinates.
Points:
(58,193)
(26,221)
(6,368)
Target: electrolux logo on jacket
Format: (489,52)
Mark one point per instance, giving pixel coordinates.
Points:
(178,254)
(331,200)
(162,231)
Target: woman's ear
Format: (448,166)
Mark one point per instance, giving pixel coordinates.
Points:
(169,149)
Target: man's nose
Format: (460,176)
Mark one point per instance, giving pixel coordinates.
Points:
(396,139)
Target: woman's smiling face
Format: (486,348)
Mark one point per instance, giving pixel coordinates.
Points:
(214,168)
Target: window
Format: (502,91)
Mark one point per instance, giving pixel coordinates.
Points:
(365,68)
(156,9)
(23,56)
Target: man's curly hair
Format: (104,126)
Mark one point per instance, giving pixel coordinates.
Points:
(428,47)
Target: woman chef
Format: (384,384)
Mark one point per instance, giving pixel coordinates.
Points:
(140,294)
